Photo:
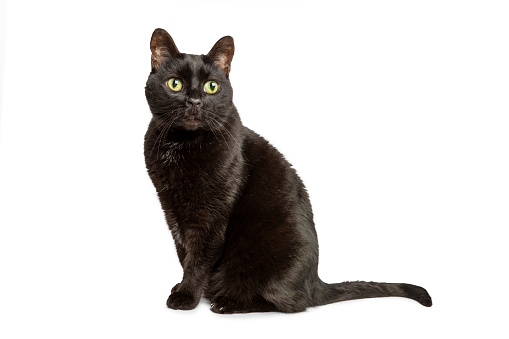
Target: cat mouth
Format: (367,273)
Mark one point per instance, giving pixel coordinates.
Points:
(191,122)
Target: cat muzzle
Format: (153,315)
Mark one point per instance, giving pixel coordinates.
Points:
(191,122)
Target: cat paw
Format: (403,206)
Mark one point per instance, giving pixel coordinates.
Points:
(182,301)
(223,305)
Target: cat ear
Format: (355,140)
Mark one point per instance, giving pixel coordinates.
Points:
(222,53)
(162,46)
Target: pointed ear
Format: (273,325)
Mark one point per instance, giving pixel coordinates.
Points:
(162,47)
(222,53)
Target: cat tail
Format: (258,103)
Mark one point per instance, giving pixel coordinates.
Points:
(350,290)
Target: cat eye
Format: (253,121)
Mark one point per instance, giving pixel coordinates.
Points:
(210,87)
(175,84)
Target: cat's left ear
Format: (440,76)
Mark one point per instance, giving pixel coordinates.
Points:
(162,46)
(222,53)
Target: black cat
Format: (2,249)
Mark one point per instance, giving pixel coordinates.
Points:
(238,212)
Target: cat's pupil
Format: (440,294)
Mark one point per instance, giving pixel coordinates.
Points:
(175,83)
(212,86)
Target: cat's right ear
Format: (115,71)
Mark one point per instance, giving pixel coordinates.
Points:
(162,46)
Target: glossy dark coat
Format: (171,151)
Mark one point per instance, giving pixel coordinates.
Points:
(238,212)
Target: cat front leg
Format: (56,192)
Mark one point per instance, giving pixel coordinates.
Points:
(186,294)
(197,262)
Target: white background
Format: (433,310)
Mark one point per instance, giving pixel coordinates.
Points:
(394,113)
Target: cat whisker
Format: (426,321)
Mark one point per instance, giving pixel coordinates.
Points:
(218,129)
(212,130)
(165,131)
(227,132)
(153,128)
(167,124)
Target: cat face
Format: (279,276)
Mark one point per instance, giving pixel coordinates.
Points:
(189,92)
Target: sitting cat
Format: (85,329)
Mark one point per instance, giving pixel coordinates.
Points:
(238,212)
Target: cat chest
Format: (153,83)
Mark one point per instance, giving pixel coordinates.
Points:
(183,187)
(195,185)
(179,179)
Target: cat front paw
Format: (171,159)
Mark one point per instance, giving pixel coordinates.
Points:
(182,301)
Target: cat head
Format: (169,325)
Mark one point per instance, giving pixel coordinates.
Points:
(192,92)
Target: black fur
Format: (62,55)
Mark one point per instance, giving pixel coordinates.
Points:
(239,214)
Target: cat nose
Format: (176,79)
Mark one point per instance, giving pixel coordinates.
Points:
(194,102)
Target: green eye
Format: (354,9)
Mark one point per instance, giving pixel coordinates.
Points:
(210,87)
(175,84)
